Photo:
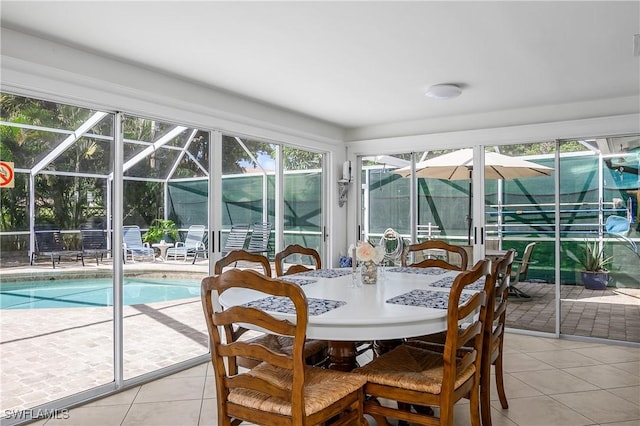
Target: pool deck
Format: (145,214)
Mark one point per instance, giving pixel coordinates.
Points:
(46,354)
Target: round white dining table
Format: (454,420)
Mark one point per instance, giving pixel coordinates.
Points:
(399,305)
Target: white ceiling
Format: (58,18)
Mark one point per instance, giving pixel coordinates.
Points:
(364,64)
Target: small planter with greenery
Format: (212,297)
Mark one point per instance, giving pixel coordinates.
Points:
(161,229)
(594,274)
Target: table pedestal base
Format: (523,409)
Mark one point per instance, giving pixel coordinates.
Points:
(383,346)
(342,355)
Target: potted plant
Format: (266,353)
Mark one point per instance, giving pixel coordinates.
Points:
(594,274)
(161,229)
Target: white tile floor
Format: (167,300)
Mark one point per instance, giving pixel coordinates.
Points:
(549,382)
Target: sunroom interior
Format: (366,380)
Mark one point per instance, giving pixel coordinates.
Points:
(115,134)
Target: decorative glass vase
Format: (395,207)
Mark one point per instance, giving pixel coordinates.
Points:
(369,272)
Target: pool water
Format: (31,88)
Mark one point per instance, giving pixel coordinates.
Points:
(93,292)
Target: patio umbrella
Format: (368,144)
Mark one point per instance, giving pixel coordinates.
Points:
(458,165)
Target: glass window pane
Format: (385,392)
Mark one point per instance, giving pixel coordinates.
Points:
(248,183)
(303,198)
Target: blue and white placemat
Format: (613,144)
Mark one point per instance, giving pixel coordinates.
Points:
(447,282)
(324,273)
(298,280)
(285,306)
(426,298)
(415,270)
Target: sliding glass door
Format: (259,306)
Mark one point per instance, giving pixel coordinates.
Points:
(165,174)
(56,277)
(303,200)
(520,214)
(599,214)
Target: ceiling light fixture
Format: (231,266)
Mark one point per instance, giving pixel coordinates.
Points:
(443,91)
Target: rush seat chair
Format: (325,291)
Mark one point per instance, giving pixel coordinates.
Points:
(281,389)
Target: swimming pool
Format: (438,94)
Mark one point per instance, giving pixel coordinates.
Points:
(93,292)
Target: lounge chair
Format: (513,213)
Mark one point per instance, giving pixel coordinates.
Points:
(49,243)
(94,242)
(132,239)
(259,241)
(192,244)
(236,238)
(620,227)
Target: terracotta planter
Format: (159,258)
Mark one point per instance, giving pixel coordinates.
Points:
(595,280)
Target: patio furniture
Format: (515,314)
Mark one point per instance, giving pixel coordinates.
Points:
(281,389)
(259,240)
(440,247)
(236,238)
(94,242)
(520,274)
(620,227)
(162,247)
(49,243)
(132,244)
(314,350)
(192,244)
(296,249)
(413,375)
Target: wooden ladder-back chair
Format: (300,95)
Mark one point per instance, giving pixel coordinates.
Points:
(296,249)
(315,351)
(440,246)
(282,389)
(236,256)
(449,249)
(494,336)
(413,375)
